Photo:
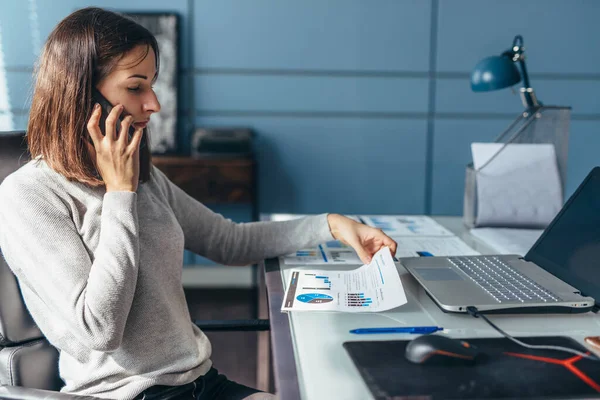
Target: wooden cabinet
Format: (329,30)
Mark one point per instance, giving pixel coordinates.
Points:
(215,179)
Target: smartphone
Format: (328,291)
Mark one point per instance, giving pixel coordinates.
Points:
(106,107)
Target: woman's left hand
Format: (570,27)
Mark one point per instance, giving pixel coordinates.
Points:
(365,240)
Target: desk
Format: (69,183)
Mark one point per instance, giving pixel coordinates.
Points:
(310,362)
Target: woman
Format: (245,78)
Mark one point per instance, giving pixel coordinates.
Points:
(96,235)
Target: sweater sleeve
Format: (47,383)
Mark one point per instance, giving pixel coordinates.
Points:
(89,290)
(223,241)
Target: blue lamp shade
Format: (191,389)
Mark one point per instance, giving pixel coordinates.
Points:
(492,73)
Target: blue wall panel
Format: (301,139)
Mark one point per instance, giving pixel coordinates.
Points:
(584,152)
(20,89)
(455,96)
(387,35)
(310,93)
(20,121)
(26,24)
(18,30)
(313,165)
(560,35)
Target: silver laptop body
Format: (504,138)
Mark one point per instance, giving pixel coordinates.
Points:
(560,273)
(505,283)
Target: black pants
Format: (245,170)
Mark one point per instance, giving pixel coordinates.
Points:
(212,386)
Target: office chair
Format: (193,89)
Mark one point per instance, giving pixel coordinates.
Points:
(28,363)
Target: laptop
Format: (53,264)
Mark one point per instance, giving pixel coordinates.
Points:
(559,274)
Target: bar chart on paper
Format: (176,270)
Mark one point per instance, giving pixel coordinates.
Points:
(358,300)
(331,252)
(320,282)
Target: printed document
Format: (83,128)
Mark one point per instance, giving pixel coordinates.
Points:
(432,246)
(372,287)
(335,252)
(508,240)
(332,252)
(288,217)
(406,225)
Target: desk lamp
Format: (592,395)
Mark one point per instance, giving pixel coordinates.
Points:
(537,124)
(499,72)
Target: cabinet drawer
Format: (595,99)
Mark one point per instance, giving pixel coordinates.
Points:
(211,180)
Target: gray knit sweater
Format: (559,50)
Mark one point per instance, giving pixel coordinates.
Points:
(101,273)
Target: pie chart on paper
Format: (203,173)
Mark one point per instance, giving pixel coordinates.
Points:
(314,298)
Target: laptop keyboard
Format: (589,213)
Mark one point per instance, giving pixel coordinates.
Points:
(502,281)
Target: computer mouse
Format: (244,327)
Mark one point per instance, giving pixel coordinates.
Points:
(440,350)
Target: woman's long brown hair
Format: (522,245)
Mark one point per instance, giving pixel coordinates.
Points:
(82,50)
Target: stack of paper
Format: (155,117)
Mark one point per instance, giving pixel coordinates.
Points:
(416,235)
(406,225)
(508,240)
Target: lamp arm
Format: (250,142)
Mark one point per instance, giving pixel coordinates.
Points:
(525,74)
(528,95)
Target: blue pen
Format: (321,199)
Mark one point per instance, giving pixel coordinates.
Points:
(402,329)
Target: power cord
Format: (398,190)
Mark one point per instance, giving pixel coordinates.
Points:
(475,313)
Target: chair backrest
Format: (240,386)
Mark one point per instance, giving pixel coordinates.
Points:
(26,357)
(13,152)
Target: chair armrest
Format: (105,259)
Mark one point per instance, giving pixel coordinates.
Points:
(22,393)
(234,325)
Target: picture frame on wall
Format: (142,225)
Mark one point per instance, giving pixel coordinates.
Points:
(163,125)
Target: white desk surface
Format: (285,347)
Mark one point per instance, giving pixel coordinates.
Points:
(324,369)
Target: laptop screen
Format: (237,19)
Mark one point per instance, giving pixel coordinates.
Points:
(569,248)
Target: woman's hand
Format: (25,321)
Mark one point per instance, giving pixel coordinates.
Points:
(117,159)
(365,240)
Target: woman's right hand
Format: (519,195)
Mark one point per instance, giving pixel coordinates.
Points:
(117,159)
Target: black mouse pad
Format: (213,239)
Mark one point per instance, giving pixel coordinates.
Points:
(503,370)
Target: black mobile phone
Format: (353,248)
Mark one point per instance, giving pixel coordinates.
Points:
(106,107)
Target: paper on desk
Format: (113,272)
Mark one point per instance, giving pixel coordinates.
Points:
(335,252)
(520,187)
(406,225)
(332,252)
(372,287)
(288,217)
(508,240)
(432,246)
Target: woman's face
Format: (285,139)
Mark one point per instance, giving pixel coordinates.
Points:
(131,85)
